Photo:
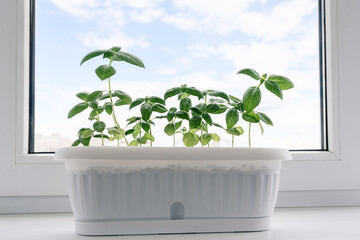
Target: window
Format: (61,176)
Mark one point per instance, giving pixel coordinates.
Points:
(326,178)
(198,43)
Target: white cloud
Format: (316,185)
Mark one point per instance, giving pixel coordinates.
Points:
(80,8)
(95,40)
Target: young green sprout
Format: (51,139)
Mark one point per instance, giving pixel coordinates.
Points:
(276,84)
(95,99)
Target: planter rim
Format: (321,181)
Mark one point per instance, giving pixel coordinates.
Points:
(171,153)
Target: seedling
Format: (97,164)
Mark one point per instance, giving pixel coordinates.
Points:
(148,106)
(197,118)
(111,97)
(276,84)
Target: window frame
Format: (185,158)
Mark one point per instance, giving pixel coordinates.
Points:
(328,173)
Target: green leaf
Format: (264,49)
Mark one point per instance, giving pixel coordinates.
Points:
(108,108)
(101,136)
(94,96)
(190,139)
(159,108)
(133,143)
(205,138)
(218,125)
(185,104)
(75,143)
(250,72)
(154,99)
(120,102)
(146,111)
(235,99)
(82,95)
(182,115)
(149,137)
(129,58)
(212,108)
(207,118)
(274,88)
(113,131)
(130,131)
(115,48)
(91,55)
(215,137)
(109,54)
(220,94)
(105,96)
(265,118)
(142,140)
(118,134)
(172,92)
(251,117)
(195,111)
(100,109)
(132,120)
(145,126)
(221,110)
(177,125)
(85,141)
(78,109)
(136,102)
(126,99)
(283,82)
(239,106)
(81,130)
(99,126)
(232,117)
(93,114)
(194,92)
(203,127)
(87,133)
(216,100)
(233,131)
(195,121)
(170,129)
(170,116)
(251,98)
(172,109)
(105,71)
(201,106)
(240,130)
(94,105)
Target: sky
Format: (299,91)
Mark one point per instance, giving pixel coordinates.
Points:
(199,43)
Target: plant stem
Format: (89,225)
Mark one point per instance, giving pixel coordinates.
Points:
(150,134)
(173,120)
(207,131)
(102,137)
(201,137)
(249,135)
(140,138)
(113,111)
(232,141)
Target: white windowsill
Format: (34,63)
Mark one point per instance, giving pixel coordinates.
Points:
(288,223)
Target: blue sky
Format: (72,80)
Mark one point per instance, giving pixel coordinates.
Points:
(200,43)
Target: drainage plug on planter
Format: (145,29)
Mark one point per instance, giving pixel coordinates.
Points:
(177,211)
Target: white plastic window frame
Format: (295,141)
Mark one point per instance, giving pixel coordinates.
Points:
(315,178)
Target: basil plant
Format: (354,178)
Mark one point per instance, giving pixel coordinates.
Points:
(192,118)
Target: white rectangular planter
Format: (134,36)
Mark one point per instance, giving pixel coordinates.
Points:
(117,190)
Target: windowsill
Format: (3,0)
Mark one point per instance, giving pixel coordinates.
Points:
(288,223)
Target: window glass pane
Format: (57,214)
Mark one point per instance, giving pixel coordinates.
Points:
(198,43)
